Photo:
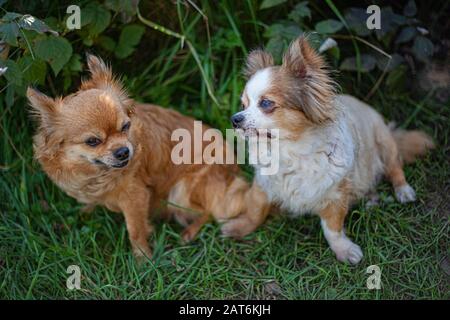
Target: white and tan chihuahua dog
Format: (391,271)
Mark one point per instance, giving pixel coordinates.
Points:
(333,149)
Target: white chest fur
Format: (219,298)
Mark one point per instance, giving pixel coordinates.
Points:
(310,169)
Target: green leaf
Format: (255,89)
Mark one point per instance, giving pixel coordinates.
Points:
(10,16)
(55,50)
(271,3)
(390,21)
(356,19)
(95,17)
(12,22)
(395,61)
(276,47)
(335,52)
(106,43)
(274,30)
(67,79)
(13,73)
(28,22)
(280,35)
(367,63)
(127,6)
(285,31)
(54,23)
(74,63)
(9,33)
(406,35)
(225,39)
(300,11)
(328,26)
(34,70)
(129,38)
(423,48)
(410,10)
(396,78)
(88,41)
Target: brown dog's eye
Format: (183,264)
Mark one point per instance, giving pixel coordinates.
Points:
(93,141)
(126,126)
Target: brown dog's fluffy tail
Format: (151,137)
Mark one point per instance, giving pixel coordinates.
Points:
(412,144)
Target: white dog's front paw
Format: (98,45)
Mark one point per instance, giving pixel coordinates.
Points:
(347,251)
(405,193)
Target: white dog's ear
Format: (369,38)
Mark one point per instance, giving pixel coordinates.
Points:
(300,59)
(257,60)
(43,107)
(317,88)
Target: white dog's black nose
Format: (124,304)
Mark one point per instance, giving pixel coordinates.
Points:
(237,119)
(122,153)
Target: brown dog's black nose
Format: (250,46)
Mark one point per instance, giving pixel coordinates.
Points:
(237,119)
(122,153)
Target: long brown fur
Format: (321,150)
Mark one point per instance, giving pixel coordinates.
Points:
(150,181)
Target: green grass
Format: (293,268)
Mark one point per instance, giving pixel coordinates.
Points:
(42,231)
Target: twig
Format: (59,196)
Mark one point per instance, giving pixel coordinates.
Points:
(205,19)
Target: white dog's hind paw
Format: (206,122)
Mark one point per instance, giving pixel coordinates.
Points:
(405,193)
(350,253)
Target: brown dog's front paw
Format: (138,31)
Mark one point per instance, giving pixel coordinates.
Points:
(141,254)
(188,235)
(191,231)
(238,227)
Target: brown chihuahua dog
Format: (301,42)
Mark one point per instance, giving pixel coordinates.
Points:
(102,148)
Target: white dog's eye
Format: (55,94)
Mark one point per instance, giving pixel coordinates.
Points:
(266,104)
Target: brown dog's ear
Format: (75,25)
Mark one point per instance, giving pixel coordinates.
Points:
(97,67)
(257,60)
(103,78)
(318,89)
(101,74)
(43,107)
